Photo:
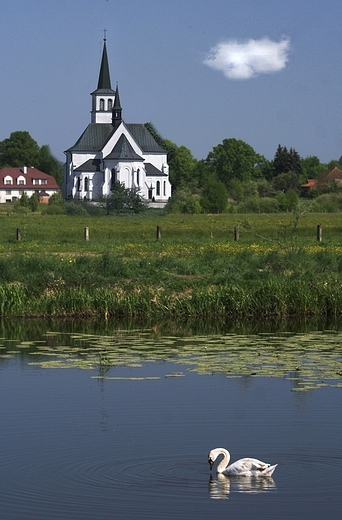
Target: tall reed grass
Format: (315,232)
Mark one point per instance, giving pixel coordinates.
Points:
(207,282)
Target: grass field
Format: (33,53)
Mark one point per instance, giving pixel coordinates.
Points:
(66,234)
(276,268)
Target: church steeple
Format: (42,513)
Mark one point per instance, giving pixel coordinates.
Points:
(103,96)
(104,76)
(117,110)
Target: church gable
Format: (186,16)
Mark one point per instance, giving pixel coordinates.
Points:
(123,151)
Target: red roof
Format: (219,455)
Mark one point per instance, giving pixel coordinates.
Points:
(32,176)
(310,184)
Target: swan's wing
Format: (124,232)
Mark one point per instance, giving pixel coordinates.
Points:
(248,466)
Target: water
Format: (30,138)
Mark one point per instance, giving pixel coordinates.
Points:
(129,439)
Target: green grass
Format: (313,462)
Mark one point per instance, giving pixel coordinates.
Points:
(195,270)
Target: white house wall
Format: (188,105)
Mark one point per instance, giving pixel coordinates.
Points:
(16,194)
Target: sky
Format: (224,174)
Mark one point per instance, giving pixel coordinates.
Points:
(267,72)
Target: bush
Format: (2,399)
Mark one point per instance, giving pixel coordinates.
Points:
(192,205)
(75,208)
(249,206)
(326,203)
(268,205)
(53,209)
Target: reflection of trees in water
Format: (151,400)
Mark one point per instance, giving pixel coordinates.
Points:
(33,328)
(222,485)
(306,359)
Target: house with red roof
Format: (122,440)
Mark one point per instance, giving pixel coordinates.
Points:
(16,181)
(326,179)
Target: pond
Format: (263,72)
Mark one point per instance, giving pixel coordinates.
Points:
(118,423)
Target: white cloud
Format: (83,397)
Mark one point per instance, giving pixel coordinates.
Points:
(247,59)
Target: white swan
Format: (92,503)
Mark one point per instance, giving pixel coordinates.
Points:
(244,467)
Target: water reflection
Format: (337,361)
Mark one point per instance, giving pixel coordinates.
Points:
(222,485)
(31,328)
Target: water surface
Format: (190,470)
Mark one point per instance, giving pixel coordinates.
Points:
(124,431)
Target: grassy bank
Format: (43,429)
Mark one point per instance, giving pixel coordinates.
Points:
(276,268)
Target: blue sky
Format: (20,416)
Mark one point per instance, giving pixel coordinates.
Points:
(268,72)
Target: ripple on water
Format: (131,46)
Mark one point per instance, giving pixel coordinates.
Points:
(64,481)
(72,480)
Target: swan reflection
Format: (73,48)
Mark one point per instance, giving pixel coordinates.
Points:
(221,485)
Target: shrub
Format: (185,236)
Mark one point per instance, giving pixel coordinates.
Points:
(75,208)
(53,209)
(192,205)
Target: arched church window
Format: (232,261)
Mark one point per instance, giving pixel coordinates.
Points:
(86,184)
(78,184)
(158,188)
(101,104)
(110,104)
(138,177)
(164,189)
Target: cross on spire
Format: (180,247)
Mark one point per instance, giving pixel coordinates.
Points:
(104,34)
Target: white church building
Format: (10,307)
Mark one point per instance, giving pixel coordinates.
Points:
(111,150)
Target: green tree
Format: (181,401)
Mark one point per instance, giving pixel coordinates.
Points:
(180,160)
(47,163)
(20,149)
(286,160)
(235,159)
(24,200)
(181,164)
(202,172)
(214,197)
(312,167)
(33,202)
(56,199)
(286,181)
(123,200)
(291,199)
(240,191)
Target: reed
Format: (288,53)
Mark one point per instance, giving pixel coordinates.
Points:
(195,270)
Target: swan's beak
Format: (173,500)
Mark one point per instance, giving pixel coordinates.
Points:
(211,463)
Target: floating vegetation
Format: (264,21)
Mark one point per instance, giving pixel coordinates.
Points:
(310,360)
(148,378)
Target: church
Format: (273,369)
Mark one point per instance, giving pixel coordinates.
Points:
(111,150)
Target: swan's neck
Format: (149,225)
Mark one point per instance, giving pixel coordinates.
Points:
(225,461)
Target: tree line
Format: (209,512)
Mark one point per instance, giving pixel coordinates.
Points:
(232,177)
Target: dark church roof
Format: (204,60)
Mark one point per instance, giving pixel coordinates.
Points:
(143,137)
(96,135)
(92,165)
(93,138)
(152,171)
(123,150)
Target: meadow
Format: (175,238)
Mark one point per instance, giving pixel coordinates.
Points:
(277,267)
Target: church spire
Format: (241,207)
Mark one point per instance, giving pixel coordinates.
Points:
(104,76)
(103,96)
(117,110)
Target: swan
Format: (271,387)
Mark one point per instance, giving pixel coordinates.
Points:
(244,467)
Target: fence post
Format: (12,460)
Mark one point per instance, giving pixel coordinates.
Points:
(86,233)
(18,234)
(236,233)
(158,232)
(319,232)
